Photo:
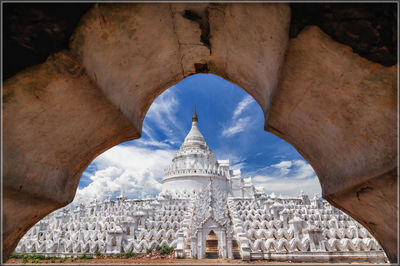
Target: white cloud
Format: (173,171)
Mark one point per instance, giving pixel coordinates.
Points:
(288,186)
(288,178)
(135,171)
(153,143)
(283,167)
(283,164)
(147,132)
(304,169)
(240,125)
(238,166)
(243,104)
(162,114)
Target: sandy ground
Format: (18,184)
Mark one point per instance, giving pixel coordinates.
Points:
(144,261)
(155,258)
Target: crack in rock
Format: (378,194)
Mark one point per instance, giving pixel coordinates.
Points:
(362,190)
(177,39)
(204,25)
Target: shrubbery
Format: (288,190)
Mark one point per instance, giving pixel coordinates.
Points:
(85,257)
(118,256)
(125,255)
(129,254)
(162,250)
(36,258)
(166,250)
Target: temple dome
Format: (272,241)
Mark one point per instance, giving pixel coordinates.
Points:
(194,163)
(194,137)
(194,148)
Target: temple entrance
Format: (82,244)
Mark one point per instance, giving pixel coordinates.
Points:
(212,246)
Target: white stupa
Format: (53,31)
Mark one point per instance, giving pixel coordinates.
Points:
(195,164)
(205,209)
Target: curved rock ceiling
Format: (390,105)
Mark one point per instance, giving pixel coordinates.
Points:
(32,32)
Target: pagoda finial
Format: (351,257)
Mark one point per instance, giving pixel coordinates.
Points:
(194,117)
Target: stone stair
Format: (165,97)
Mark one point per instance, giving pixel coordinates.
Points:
(212,247)
(188,250)
(236,249)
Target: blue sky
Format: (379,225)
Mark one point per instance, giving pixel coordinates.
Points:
(233,125)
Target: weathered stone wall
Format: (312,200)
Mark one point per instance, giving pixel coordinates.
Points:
(59,115)
(339,111)
(55,123)
(115,44)
(77,104)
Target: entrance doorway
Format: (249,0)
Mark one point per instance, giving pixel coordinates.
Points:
(212,246)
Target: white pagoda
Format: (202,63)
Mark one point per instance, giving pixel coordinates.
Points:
(206,210)
(194,165)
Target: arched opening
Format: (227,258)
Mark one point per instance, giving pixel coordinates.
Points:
(106,106)
(212,246)
(225,116)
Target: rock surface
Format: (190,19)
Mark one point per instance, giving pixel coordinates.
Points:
(370,29)
(34,31)
(115,44)
(55,123)
(339,111)
(61,103)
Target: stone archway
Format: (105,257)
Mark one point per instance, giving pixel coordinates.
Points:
(336,108)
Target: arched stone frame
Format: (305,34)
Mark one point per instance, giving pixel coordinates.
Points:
(87,89)
(220,232)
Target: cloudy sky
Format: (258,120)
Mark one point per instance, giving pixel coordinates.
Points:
(232,123)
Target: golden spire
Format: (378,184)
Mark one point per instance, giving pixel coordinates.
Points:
(194,117)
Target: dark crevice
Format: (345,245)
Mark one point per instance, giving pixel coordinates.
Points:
(33,31)
(191,15)
(205,31)
(362,190)
(273,129)
(204,25)
(177,39)
(201,68)
(369,28)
